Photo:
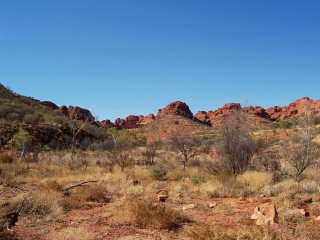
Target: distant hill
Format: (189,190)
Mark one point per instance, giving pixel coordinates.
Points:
(43,116)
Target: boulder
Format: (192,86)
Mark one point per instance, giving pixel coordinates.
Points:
(162,195)
(176,108)
(265,214)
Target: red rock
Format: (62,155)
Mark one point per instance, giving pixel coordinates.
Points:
(176,108)
(298,108)
(49,105)
(202,117)
(64,109)
(78,113)
(107,123)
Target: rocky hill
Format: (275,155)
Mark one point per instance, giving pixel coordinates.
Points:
(15,106)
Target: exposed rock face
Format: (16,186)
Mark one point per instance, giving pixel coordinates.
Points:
(49,105)
(129,122)
(148,119)
(107,123)
(64,110)
(78,113)
(296,109)
(214,118)
(176,108)
(257,114)
(265,214)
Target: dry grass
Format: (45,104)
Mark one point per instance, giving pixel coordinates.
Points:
(72,233)
(229,188)
(255,179)
(216,232)
(146,214)
(40,203)
(82,196)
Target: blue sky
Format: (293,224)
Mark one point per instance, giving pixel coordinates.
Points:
(122,57)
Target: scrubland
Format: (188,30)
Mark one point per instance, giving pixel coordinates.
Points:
(185,188)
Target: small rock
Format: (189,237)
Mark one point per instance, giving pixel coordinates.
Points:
(162,195)
(265,214)
(304,212)
(189,206)
(212,205)
(318,218)
(242,199)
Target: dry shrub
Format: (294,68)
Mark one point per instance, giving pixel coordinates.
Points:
(255,179)
(310,187)
(146,214)
(229,188)
(280,188)
(40,202)
(52,185)
(81,196)
(72,233)
(291,216)
(216,232)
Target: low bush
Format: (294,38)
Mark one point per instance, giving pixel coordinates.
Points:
(229,188)
(146,214)
(80,197)
(255,179)
(199,179)
(40,203)
(158,172)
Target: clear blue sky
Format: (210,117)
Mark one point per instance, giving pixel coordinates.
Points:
(121,57)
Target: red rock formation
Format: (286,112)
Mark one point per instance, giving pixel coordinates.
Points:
(130,122)
(107,123)
(78,113)
(64,110)
(148,119)
(202,117)
(214,118)
(257,114)
(298,108)
(49,105)
(176,108)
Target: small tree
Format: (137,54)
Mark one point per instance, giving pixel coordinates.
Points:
(123,159)
(236,147)
(23,140)
(303,151)
(149,153)
(187,147)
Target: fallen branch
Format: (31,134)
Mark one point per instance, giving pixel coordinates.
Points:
(78,185)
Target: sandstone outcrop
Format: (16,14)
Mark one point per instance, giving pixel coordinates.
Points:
(176,108)
(49,105)
(298,108)
(265,215)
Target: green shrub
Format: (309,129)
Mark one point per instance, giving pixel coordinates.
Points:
(198,179)
(285,124)
(274,125)
(158,172)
